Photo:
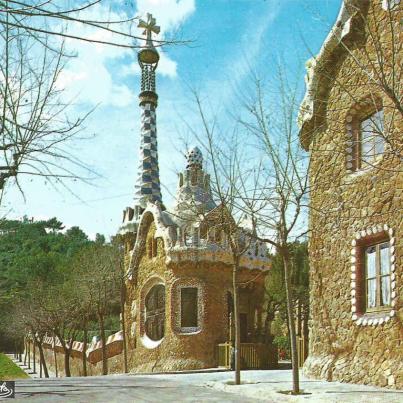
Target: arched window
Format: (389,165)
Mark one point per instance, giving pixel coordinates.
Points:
(150,248)
(187,236)
(370,139)
(203,234)
(159,246)
(155,247)
(217,235)
(203,231)
(155,312)
(365,135)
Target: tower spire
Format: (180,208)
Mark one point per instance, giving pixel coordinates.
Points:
(148,187)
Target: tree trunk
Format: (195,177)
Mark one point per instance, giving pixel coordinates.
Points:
(29,354)
(34,356)
(291,321)
(66,352)
(67,363)
(237,349)
(305,331)
(103,340)
(25,350)
(20,350)
(55,355)
(42,360)
(85,350)
(69,349)
(122,309)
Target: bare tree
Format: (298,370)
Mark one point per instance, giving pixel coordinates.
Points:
(63,316)
(232,232)
(261,171)
(97,273)
(120,277)
(279,202)
(41,19)
(29,320)
(35,128)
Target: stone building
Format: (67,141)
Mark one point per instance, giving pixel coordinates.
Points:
(179,285)
(351,124)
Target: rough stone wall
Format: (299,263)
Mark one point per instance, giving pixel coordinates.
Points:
(115,363)
(179,351)
(347,206)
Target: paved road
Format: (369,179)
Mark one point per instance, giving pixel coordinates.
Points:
(119,388)
(205,386)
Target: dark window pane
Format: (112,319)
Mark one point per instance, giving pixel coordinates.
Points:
(243,317)
(189,307)
(155,312)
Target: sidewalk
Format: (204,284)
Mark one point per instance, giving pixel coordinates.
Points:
(265,385)
(29,371)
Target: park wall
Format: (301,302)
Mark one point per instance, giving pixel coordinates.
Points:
(54,356)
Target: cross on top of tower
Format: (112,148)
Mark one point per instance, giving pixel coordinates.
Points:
(149,27)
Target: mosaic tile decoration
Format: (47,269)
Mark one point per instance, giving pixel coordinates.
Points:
(148,183)
(194,158)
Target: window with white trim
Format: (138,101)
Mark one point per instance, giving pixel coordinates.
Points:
(371,140)
(377,276)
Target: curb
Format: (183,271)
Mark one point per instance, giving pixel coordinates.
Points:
(191,371)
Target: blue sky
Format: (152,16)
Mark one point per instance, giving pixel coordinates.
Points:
(225,34)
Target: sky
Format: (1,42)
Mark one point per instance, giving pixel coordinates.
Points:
(226,39)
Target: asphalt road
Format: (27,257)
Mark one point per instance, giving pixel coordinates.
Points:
(119,388)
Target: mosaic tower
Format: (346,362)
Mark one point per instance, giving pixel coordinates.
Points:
(147,187)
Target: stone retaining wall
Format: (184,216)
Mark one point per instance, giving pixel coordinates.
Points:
(114,351)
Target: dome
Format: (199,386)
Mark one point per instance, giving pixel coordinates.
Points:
(148,55)
(194,158)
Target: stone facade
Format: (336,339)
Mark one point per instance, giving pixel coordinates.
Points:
(353,206)
(179,263)
(172,250)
